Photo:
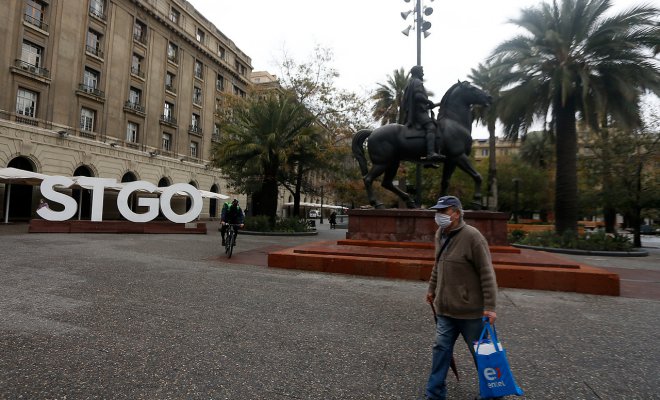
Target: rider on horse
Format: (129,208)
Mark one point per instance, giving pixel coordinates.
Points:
(415,107)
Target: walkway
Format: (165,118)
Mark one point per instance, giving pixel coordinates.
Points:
(165,317)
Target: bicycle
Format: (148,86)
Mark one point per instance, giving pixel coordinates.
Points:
(230,239)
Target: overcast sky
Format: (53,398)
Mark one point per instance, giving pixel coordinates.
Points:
(365,35)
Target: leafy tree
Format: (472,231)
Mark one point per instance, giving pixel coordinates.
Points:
(388,96)
(256,143)
(338,114)
(487,79)
(576,61)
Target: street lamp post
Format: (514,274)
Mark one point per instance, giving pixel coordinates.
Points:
(420,26)
(321,216)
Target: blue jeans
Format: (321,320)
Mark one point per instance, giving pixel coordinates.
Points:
(447,331)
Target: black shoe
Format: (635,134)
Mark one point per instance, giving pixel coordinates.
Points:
(223,242)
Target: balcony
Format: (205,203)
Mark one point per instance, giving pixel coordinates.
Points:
(195,130)
(215,137)
(173,58)
(32,69)
(136,71)
(91,90)
(35,22)
(170,88)
(98,13)
(168,119)
(140,38)
(94,50)
(134,108)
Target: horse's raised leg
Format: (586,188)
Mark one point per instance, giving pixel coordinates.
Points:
(388,183)
(368,179)
(464,163)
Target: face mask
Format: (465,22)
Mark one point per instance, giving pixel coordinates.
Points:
(443,220)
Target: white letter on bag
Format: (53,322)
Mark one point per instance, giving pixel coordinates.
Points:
(150,203)
(166,200)
(70,205)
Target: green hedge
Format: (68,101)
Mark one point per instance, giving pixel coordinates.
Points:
(262,223)
(594,241)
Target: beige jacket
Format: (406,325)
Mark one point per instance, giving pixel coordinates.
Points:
(463,278)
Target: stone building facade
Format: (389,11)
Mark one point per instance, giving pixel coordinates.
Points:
(122,89)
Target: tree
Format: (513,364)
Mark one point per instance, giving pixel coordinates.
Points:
(338,113)
(574,59)
(487,79)
(257,141)
(387,98)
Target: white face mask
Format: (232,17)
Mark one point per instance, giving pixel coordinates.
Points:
(443,220)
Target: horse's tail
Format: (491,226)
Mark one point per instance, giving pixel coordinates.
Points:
(358,149)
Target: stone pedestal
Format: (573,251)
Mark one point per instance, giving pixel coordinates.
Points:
(400,225)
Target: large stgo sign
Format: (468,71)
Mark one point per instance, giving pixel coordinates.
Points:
(98,186)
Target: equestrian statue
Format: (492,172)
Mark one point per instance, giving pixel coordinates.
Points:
(422,140)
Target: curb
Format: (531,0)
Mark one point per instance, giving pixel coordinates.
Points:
(634,253)
(254,233)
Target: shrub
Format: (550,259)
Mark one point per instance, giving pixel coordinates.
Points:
(258,223)
(517,235)
(261,223)
(594,241)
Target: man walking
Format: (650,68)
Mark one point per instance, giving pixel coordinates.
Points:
(462,288)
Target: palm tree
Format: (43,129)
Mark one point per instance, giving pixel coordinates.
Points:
(388,96)
(258,139)
(486,78)
(576,61)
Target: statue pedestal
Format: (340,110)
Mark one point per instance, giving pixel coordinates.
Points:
(399,244)
(397,225)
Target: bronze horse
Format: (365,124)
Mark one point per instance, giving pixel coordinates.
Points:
(390,144)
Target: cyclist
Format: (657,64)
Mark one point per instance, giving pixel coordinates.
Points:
(231,214)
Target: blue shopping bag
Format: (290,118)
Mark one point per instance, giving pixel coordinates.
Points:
(495,377)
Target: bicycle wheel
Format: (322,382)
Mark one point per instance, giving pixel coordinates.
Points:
(231,241)
(228,240)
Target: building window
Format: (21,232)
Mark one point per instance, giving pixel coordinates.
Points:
(26,103)
(222,52)
(240,68)
(484,152)
(87,117)
(193,149)
(167,141)
(200,35)
(94,43)
(216,129)
(195,122)
(97,8)
(238,91)
(172,52)
(134,96)
(197,95)
(169,81)
(136,65)
(175,15)
(140,31)
(220,83)
(91,78)
(35,12)
(168,111)
(31,53)
(132,132)
(199,69)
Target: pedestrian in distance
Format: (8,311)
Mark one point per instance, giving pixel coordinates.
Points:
(462,289)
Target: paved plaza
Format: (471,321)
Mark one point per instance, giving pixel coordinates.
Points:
(103,316)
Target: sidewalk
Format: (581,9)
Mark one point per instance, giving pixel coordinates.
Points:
(167,317)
